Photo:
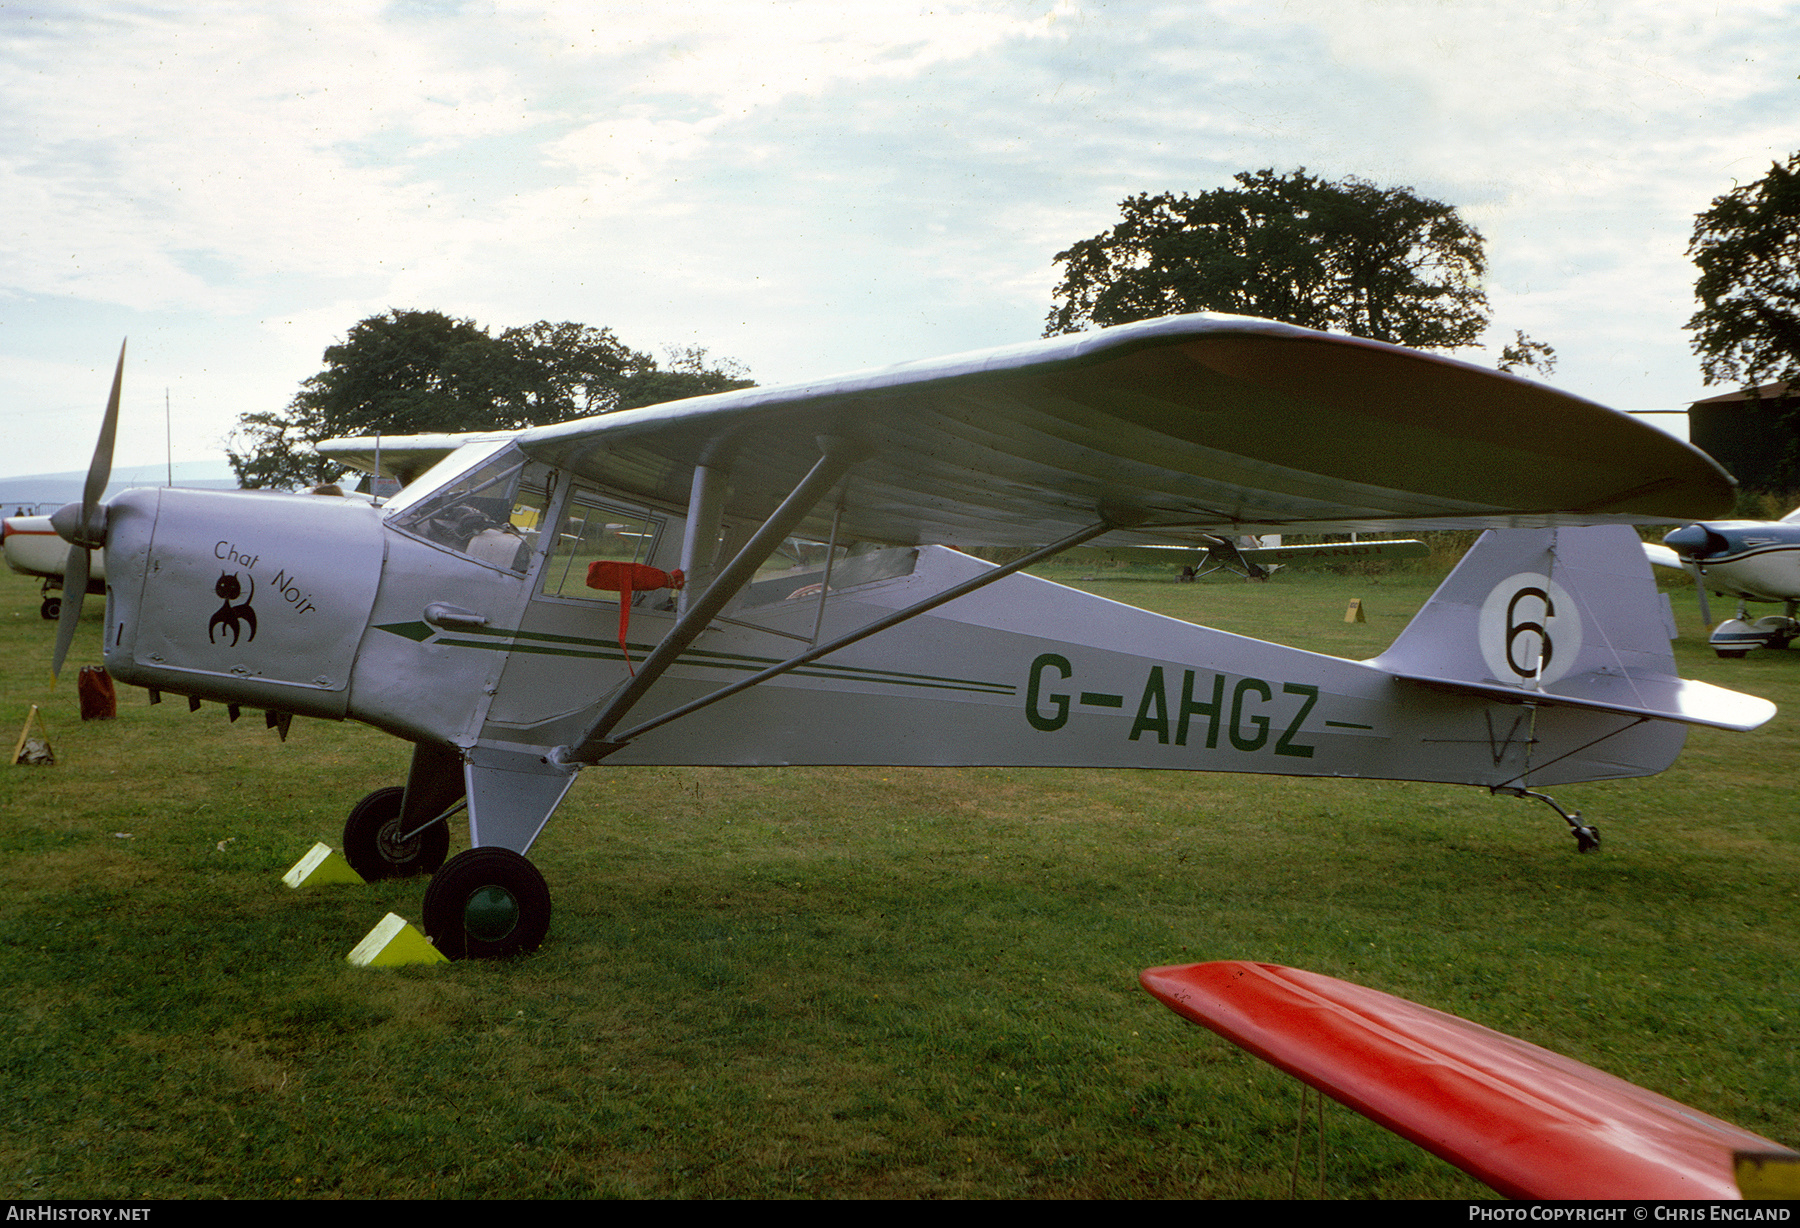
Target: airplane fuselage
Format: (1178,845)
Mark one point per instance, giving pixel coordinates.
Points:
(334,609)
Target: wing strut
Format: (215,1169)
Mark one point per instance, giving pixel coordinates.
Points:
(881,624)
(706,506)
(839,456)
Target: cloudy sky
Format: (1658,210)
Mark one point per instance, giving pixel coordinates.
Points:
(806,187)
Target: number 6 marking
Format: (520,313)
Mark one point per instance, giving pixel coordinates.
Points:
(1529,630)
(1515,629)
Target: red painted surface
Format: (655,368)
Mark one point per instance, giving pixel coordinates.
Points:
(630,577)
(626,579)
(1528,1122)
(7,530)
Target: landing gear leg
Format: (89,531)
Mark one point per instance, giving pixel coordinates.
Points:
(487,903)
(1587,838)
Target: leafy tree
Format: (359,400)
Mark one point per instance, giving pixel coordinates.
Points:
(566,370)
(277,452)
(688,372)
(1748,249)
(1529,353)
(1381,263)
(423,372)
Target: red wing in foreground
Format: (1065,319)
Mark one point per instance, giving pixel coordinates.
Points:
(1528,1122)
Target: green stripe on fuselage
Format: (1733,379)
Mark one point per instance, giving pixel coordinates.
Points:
(545,643)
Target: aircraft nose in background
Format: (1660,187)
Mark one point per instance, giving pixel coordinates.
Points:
(1694,541)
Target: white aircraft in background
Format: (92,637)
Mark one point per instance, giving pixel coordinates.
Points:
(1752,560)
(32,548)
(596,591)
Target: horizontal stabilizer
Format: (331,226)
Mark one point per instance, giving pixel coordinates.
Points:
(1664,699)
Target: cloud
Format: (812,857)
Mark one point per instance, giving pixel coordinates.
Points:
(810,186)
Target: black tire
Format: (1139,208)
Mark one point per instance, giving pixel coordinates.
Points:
(1733,654)
(487,903)
(51,610)
(371,843)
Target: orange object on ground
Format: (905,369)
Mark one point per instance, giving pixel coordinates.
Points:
(626,579)
(1529,1122)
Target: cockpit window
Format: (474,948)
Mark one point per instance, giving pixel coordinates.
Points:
(597,530)
(798,569)
(492,513)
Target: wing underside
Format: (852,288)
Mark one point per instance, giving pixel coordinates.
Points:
(403,457)
(1168,430)
(1177,427)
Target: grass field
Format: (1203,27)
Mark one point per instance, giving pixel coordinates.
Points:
(847,982)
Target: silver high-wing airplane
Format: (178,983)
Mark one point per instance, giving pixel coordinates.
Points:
(1752,560)
(518,611)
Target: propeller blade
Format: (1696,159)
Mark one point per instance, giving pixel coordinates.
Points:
(91,532)
(75,582)
(1693,569)
(100,469)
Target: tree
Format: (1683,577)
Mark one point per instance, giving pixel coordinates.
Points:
(567,370)
(423,372)
(1348,256)
(689,372)
(1748,249)
(1529,353)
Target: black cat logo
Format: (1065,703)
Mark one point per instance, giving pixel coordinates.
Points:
(232,616)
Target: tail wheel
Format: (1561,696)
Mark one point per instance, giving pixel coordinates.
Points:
(487,903)
(373,843)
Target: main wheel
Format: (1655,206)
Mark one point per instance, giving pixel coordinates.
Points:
(51,610)
(372,843)
(487,903)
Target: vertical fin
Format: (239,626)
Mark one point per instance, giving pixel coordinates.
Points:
(1568,617)
(1528,607)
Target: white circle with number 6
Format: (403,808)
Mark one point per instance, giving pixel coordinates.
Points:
(1530,629)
